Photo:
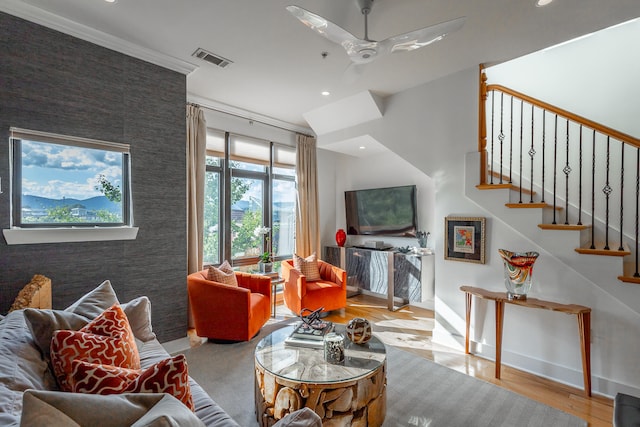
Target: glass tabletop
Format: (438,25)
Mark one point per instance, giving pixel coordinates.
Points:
(307,364)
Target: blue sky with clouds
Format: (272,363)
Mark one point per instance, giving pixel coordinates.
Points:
(57,171)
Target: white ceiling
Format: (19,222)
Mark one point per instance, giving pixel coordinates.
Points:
(278,70)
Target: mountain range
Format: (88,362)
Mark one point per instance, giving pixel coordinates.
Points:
(93,204)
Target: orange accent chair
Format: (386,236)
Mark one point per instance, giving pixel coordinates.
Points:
(229,313)
(329,292)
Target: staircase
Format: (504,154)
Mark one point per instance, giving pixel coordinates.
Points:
(569,184)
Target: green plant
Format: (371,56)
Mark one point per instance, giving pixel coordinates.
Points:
(265,257)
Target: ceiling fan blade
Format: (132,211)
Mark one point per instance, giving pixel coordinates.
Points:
(322,26)
(359,51)
(422,37)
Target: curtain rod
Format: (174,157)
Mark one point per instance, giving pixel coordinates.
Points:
(251,121)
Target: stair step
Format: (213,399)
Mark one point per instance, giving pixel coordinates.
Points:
(504,185)
(599,250)
(563,226)
(532,206)
(629,279)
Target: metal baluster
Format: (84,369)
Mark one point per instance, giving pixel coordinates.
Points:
(636,274)
(607,190)
(544,133)
(501,135)
(493,111)
(511,144)
(532,153)
(555,162)
(593,190)
(567,171)
(621,247)
(521,125)
(580,180)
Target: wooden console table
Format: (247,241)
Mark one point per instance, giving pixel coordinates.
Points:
(584,324)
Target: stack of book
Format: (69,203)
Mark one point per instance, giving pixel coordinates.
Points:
(306,335)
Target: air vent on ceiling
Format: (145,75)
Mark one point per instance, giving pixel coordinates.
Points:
(210,57)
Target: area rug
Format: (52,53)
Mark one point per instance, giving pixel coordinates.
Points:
(419,392)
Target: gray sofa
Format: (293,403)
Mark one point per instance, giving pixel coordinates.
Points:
(626,411)
(29,394)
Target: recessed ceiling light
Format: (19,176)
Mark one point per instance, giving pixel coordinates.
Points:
(111,1)
(325,93)
(362,147)
(540,3)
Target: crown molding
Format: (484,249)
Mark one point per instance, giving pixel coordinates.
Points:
(245,114)
(72,28)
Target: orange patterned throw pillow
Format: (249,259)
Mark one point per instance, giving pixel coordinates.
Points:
(167,376)
(107,339)
(223,274)
(307,266)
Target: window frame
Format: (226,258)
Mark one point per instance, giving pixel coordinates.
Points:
(227,173)
(17,136)
(60,232)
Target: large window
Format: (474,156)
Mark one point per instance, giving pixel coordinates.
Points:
(249,199)
(62,181)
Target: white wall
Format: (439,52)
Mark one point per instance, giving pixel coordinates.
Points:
(376,171)
(599,76)
(433,127)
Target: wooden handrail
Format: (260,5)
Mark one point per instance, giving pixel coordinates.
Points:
(620,136)
(482,126)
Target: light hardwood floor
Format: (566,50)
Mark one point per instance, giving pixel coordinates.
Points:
(411,329)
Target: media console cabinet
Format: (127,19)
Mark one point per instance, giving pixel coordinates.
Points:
(403,278)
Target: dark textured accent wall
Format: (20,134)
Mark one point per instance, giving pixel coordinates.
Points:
(54,82)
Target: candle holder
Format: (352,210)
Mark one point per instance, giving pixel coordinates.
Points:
(334,348)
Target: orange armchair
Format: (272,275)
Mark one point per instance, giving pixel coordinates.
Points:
(329,292)
(229,313)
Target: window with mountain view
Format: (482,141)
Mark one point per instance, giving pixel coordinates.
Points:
(61,181)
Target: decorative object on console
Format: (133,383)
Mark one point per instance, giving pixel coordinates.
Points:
(404,249)
(465,239)
(334,348)
(518,270)
(422,238)
(341,237)
(359,330)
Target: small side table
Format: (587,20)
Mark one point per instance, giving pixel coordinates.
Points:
(275,281)
(500,298)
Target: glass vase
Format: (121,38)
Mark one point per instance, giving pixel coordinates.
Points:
(518,270)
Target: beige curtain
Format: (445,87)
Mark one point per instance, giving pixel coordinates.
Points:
(196,152)
(307,216)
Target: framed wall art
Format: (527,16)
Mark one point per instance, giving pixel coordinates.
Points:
(464,239)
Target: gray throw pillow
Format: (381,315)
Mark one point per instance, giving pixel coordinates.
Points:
(138,312)
(53,408)
(42,324)
(92,304)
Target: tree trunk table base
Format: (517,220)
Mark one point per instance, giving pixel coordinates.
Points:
(292,374)
(361,402)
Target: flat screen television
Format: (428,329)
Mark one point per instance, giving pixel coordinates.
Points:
(389,211)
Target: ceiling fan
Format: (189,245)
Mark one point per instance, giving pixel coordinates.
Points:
(365,50)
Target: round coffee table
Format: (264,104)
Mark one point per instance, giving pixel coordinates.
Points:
(291,376)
